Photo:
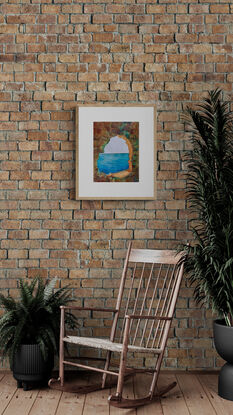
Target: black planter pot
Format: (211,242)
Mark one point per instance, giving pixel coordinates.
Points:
(29,367)
(223,340)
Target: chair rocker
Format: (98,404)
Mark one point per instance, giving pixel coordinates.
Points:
(145,305)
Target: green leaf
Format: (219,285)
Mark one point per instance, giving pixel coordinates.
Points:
(34,317)
(209,263)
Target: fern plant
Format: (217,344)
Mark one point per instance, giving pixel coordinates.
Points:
(34,318)
(209,262)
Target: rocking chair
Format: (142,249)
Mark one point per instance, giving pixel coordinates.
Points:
(142,318)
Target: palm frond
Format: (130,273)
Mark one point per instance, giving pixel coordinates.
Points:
(209,262)
(49,288)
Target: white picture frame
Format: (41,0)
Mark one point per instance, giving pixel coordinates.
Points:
(140,183)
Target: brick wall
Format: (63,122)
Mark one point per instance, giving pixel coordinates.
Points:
(55,54)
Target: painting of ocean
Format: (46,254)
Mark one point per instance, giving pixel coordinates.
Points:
(112,162)
(116,151)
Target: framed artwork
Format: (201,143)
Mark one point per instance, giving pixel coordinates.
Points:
(115,151)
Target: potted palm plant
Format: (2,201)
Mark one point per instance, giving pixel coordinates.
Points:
(209,262)
(29,329)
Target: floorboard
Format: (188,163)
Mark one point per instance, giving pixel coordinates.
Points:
(141,387)
(72,403)
(128,392)
(194,394)
(173,403)
(46,402)
(8,388)
(195,397)
(21,402)
(210,386)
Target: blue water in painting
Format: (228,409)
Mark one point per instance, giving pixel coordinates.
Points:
(113,162)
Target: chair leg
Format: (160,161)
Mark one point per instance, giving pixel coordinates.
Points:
(61,369)
(121,374)
(156,375)
(154,382)
(106,366)
(122,368)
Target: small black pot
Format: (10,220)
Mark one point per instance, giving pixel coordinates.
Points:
(29,367)
(223,340)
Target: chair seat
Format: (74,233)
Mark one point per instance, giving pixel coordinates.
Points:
(107,344)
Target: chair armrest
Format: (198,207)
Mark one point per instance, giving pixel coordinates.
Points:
(137,316)
(73,307)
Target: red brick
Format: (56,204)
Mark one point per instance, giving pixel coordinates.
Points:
(38,234)
(8,263)
(158,9)
(219,8)
(103,37)
(198,8)
(95,52)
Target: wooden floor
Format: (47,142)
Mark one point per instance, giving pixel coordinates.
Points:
(195,394)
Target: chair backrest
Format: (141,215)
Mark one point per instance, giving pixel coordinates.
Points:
(149,287)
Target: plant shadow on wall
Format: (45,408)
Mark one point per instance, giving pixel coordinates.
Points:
(209,263)
(30,327)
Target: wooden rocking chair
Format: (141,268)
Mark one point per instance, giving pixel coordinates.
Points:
(142,318)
